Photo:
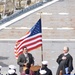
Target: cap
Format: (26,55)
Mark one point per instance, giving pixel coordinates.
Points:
(11,71)
(44,62)
(43,72)
(0,67)
(12,67)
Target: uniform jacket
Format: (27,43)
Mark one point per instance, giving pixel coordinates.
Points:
(49,72)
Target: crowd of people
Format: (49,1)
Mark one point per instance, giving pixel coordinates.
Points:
(26,61)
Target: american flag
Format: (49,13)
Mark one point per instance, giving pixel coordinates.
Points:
(32,40)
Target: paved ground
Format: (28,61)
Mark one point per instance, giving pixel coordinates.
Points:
(51,50)
(58,22)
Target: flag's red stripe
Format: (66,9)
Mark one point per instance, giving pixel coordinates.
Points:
(31,43)
(28,46)
(34,43)
(19,53)
(30,49)
(28,40)
(23,37)
(34,47)
(23,43)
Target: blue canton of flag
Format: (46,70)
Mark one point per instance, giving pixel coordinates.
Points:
(36,29)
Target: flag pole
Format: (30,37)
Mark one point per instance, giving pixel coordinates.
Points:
(41,53)
(42,44)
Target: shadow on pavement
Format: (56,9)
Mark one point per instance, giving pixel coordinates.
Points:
(3,58)
(2,63)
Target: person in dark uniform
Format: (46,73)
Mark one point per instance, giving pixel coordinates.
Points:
(65,62)
(44,67)
(42,72)
(25,58)
(11,68)
(11,72)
